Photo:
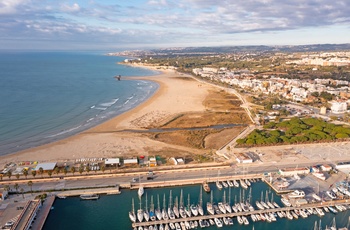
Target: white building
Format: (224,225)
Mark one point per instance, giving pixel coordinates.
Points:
(338,107)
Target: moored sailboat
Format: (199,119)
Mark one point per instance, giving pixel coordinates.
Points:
(132,215)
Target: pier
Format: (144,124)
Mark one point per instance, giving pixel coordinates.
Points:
(235,214)
(108,191)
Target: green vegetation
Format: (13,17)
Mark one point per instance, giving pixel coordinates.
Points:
(294,131)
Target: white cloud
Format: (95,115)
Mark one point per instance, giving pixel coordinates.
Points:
(10,6)
(71,8)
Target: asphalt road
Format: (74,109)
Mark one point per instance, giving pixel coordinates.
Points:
(207,173)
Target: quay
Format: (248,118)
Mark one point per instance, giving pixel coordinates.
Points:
(43,213)
(25,219)
(108,191)
(234,214)
(158,184)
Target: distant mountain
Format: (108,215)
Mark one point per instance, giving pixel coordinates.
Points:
(191,51)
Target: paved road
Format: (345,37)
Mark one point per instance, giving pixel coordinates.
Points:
(165,176)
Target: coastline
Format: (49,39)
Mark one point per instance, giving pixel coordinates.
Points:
(176,94)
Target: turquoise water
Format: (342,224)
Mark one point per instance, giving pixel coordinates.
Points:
(111,212)
(49,96)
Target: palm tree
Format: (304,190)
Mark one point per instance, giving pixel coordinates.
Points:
(103,168)
(72,170)
(57,170)
(33,173)
(9,174)
(87,169)
(65,171)
(41,171)
(17,176)
(81,170)
(16,186)
(30,184)
(49,173)
(25,172)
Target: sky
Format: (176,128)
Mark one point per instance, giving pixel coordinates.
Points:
(140,24)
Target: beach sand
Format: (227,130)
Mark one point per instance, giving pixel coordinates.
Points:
(177,94)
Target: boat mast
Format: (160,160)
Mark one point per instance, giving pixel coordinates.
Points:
(158,202)
(133,207)
(181,199)
(249,198)
(164,205)
(229,196)
(188,201)
(170,200)
(200,197)
(224,197)
(152,204)
(146,202)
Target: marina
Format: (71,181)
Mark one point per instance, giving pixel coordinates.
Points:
(112,216)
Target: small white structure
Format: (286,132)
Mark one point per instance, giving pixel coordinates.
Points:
(112,162)
(46,166)
(173,160)
(180,161)
(338,107)
(343,165)
(130,161)
(293,171)
(243,158)
(326,168)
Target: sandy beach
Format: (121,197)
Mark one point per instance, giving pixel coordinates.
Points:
(177,94)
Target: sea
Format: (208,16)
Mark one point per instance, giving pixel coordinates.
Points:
(111,211)
(48,96)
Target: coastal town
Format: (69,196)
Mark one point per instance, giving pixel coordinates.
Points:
(308,176)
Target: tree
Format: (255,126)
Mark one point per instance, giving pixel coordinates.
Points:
(65,171)
(1,176)
(87,169)
(57,170)
(103,168)
(16,186)
(9,174)
(81,170)
(33,173)
(30,184)
(72,170)
(17,176)
(49,173)
(7,187)
(25,172)
(41,171)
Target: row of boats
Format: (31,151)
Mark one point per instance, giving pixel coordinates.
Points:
(242,220)
(244,183)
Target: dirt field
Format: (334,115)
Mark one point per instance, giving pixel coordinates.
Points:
(221,109)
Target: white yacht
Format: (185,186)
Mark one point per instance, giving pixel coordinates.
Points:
(286,202)
(140,191)
(132,215)
(296,194)
(218,185)
(218,222)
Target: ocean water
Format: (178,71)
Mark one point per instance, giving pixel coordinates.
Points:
(111,211)
(49,96)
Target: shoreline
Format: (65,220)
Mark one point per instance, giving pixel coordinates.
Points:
(153,109)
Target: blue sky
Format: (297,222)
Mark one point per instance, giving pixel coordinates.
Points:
(136,24)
